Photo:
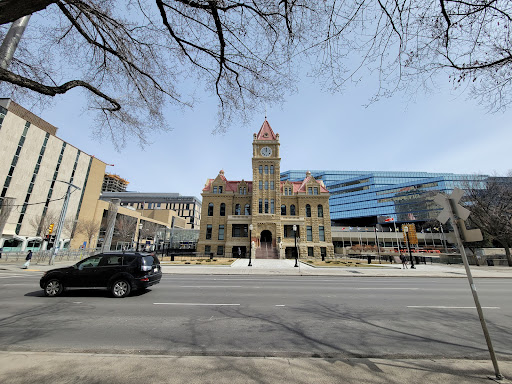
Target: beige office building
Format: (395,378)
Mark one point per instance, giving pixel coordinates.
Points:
(278,217)
(35,169)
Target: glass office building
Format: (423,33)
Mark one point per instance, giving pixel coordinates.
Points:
(361,198)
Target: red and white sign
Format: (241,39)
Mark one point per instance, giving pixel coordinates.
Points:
(389,219)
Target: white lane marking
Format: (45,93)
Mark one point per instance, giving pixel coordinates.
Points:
(280,305)
(446,307)
(380,288)
(199,304)
(77,302)
(210,286)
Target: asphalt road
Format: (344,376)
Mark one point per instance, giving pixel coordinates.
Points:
(292,316)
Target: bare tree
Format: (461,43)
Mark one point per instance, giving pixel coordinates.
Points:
(125,227)
(490,202)
(148,230)
(408,43)
(41,223)
(133,58)
(89,228)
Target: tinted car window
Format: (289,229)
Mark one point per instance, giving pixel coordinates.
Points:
(90,262)
(111,260)
(148,260)
(129,259)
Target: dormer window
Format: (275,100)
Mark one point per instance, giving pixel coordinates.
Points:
(310,190)
(214,189)
(315,191)
(220,189)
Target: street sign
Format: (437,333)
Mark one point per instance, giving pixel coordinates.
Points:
(451,204)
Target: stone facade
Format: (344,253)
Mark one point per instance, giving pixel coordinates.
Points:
(265,210)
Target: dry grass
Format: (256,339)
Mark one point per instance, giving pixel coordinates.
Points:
(190,260)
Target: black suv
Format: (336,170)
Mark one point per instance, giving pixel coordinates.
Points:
(120,273)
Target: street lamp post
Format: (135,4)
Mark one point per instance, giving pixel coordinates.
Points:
(296,250)
(138,238)
(250,244)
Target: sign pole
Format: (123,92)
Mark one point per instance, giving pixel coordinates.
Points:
(455,223)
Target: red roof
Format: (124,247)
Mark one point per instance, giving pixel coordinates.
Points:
(266,133)
(300,186)
(231,186)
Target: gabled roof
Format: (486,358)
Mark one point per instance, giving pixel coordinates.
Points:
(266,132)
(300,186)
(231,185)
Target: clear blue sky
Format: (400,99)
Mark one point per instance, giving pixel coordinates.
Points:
(438,132)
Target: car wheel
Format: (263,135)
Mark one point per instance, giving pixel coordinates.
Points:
(120,288)
(53,288)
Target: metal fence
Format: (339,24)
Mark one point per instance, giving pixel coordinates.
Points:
(43,257)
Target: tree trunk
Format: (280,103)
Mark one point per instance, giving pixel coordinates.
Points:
(507,253)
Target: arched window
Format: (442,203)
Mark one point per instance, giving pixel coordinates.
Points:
(283,210)
(223,209)
(292,210)
(210,209)
(320,210)
(247,210)
(308,210)
(238,210)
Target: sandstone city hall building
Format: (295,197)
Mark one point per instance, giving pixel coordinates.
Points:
(278,216)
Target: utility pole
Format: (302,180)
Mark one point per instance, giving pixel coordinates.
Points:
(452,208)
(62,217)
(12,40)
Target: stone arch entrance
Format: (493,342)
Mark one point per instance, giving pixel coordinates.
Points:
(266,236)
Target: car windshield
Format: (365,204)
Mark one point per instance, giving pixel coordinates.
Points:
(149,260)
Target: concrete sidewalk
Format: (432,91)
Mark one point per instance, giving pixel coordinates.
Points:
(286,268)
(70,368)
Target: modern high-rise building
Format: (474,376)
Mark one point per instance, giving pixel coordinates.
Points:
(272,217)
(366,198)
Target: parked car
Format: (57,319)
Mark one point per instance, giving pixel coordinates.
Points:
(120,273)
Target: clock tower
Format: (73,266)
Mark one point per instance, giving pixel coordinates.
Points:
(266,191)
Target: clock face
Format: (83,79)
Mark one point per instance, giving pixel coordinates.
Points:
(266,151)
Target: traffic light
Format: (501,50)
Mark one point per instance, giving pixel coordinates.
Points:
(50,229)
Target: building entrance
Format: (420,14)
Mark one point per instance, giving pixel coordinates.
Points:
(266,237)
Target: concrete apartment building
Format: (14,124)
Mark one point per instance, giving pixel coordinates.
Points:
(261,214)
(114,183)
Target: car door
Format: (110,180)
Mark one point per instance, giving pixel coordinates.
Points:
(87,274)
(109,266)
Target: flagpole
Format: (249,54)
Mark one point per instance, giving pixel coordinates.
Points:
(396,233)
